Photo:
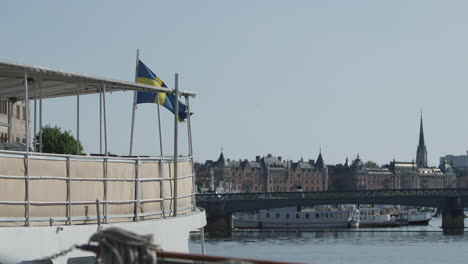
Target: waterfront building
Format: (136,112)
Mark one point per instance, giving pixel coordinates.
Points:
(264,174)
(456,161)
(12,122)
(395,175)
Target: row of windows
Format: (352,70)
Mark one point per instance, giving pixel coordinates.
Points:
(4,138)
(316,215)
(5,109)
(285,188)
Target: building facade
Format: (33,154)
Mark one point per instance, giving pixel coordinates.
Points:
(264,174)
(395,175)
(12,122)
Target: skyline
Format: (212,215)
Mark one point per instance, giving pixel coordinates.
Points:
(271,76)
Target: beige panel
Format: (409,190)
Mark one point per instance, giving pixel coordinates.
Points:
(10,210)
(87,190)
(120,209)
(120,190)
(42,190)
(184,203)
(168,187)
(150,189)
(121,170)
(48,211)
(12,166)
(12,190)
(149,170)
(87,169)
(184,187)
(185,168)
(57,168)
(169,205)
(151,207)
(168,170)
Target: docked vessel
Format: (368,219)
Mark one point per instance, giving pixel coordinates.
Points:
(50,202)
(415,217)
(295,218)
(377,217)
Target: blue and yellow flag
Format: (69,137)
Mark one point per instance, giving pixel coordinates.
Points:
(146,76)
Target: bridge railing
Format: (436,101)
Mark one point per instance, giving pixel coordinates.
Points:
(334,195)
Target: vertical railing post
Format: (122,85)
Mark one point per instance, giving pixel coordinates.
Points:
(69,209)
(100,121)
(106,171)
(106,163)
(137,190)
(40,115)
(26,101)
(161,174)
(78,122)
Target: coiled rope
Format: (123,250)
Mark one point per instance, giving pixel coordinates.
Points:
(120,247)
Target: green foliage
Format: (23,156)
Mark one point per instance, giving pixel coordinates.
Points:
(371,164)
(56,141)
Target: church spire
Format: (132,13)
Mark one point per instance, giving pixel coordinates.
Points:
(421,133)
(421,153)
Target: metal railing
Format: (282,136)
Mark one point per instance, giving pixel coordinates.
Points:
(103,178)
(328,195)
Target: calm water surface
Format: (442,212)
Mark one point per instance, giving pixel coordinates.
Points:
(414,245)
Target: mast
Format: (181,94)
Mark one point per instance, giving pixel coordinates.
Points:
(134,103)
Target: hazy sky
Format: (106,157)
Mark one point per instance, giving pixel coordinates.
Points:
(280,77)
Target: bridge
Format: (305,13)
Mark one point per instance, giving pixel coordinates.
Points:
(220,207)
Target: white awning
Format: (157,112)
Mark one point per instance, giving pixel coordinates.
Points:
(56,83)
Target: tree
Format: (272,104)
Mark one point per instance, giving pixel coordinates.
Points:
(56,141)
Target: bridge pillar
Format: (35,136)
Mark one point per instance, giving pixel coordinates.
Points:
(219,225)
(453,217)
(219,222)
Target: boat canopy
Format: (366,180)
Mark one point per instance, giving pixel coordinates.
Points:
(57,83)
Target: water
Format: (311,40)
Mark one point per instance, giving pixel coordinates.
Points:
(413,244)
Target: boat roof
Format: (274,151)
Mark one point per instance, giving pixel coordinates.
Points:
(57,83)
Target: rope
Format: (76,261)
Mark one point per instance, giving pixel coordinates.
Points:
(120,247)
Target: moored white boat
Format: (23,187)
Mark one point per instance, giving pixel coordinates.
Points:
(290,218)
(50,202)
(415,217)
(376,217)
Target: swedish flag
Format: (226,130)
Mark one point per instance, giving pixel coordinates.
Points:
(146,76)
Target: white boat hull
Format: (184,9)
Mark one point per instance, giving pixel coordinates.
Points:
(28,243)
(289,218)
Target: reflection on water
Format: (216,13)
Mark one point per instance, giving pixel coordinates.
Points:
(413,244)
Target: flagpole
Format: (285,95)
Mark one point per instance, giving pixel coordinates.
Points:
(159,126)
(176,121)
(134,102)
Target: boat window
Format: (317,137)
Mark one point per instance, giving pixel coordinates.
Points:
(317,215)
(287,215)
(297,215)
(268,215)
(307,215)
(326,215)
(82,260)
